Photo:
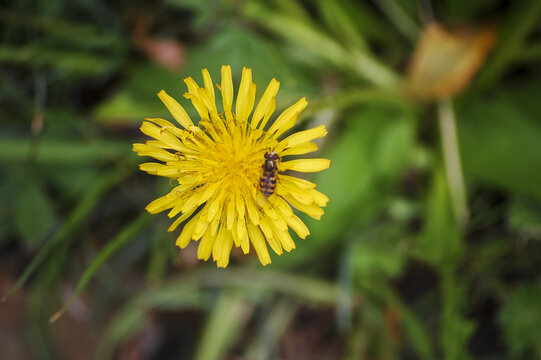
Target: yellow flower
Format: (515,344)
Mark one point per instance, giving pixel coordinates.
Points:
(218,166)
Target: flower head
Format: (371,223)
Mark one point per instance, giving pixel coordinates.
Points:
(218,166)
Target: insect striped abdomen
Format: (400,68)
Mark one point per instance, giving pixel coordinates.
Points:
(267,181)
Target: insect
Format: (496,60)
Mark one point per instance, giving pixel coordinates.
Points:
(269,173)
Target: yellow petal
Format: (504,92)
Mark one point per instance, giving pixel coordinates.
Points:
(214,226)
(242,232)
(298,226)
(227,90)
(200,134)
(283,207)
(192,202)
(267,209)
(208,84)
(305,165)
(186,235)
(218,244)
(175,109)
(267,230)
(319,198)
(252,211)
(300,149)
(169,171)
(230,217)
(305,184)
(151,167)
(210,190)
(214,205)
(285,239)
(161,204)
(284,188)
(265,104)
(209,104)
(205,247)
(156,132)
(155,152)
(288,118)
(234,231)
(304,195)
(194,96)
(167,126)
(240,205)
(179,220)
(279,223)
(245,97)
(200,227)
(270,111)
(302,137)
(260,246)
(227,244)
(311,210)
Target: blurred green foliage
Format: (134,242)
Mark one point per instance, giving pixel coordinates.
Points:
(387,273)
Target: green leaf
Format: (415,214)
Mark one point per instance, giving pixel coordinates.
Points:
(71,181)
(366,162)
(229,46)
(138,98)
(440,243)
(236,47)
(34,214)
(500,147)
(124,108)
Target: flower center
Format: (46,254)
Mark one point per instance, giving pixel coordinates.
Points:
(238,168)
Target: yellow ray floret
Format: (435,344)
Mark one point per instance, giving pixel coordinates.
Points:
(217,166)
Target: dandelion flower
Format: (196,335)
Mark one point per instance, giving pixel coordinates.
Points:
(216,166)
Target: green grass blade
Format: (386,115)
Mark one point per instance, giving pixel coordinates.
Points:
(112,247)
(322,45)
(521,20)
(223,326)
(400,18)
(271,330)
(74,221)
(63,152)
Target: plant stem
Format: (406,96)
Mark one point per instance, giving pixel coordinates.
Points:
(451,156)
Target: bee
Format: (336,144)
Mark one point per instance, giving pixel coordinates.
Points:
(269,173)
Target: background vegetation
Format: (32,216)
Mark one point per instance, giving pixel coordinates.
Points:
(405,264)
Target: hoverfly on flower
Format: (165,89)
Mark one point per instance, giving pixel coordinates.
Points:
(217,167)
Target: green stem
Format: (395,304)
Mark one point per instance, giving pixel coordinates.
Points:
(451,155)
